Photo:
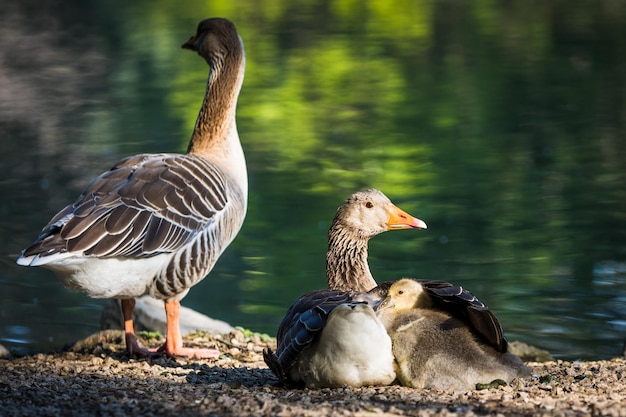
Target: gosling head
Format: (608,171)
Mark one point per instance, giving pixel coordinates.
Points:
(403,295)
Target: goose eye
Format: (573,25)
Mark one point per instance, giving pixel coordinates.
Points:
(369,204)
(400,292)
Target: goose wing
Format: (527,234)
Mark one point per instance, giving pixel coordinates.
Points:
(145,205)
(302,326)
(464,305)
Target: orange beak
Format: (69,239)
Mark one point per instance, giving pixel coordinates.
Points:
(400,219)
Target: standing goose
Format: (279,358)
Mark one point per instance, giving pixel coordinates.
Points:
(157,223)
(434,349)
(332,338)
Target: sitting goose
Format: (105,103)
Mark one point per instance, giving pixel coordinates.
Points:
(312,347)
(157,223)
(350,282)
(435,349)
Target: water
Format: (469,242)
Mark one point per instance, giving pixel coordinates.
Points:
(501,126)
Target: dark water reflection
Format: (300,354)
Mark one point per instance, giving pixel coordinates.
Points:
(500,126)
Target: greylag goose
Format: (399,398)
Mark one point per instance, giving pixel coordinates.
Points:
(312,347)
(435,349)
(157,223)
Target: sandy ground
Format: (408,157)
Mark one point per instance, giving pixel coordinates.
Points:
(95,377)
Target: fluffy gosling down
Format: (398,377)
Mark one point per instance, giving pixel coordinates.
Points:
(433,349)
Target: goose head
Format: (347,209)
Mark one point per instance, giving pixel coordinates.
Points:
(370,212)
(214,40)
(362,216)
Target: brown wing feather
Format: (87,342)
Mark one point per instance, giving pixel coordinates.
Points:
(120,220)
(82,226)
(90,237)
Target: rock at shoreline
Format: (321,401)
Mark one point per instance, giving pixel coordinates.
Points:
(529,353)
(149,315)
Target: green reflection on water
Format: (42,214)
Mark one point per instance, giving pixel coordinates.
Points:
(499,124)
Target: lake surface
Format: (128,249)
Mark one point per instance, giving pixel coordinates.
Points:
(500,125)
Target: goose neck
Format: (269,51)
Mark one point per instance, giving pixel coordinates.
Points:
(215,124)
(346,261)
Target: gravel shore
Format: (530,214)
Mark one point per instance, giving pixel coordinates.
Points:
(96,377)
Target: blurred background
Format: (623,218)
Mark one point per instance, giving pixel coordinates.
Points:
(500,124)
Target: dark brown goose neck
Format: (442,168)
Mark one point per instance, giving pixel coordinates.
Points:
(346,260)
(216,119)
